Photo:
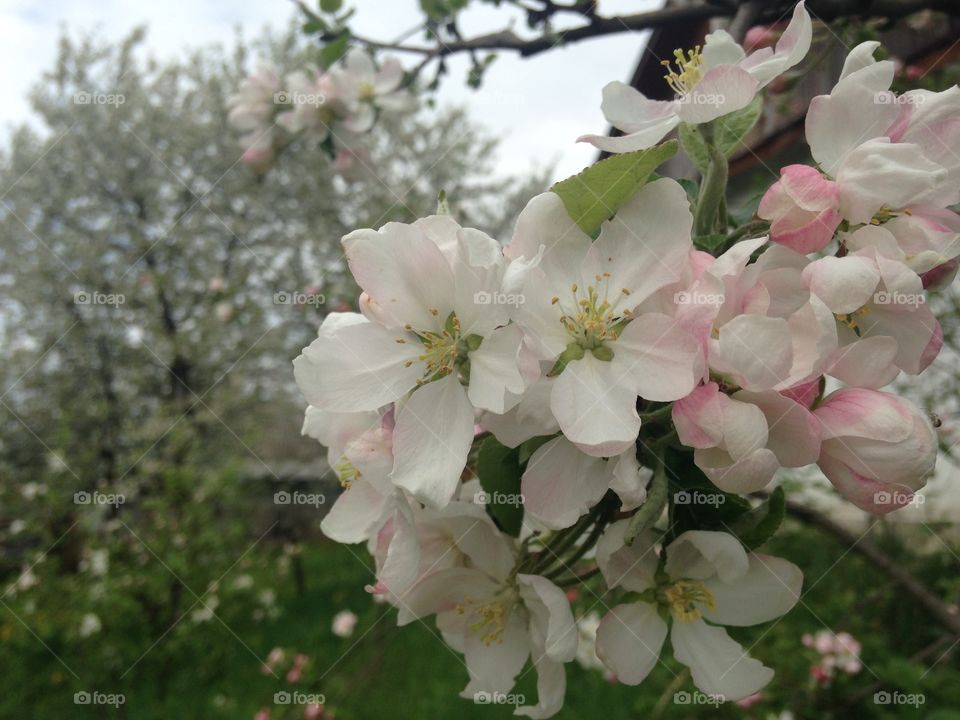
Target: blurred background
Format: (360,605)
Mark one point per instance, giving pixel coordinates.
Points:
(153,291)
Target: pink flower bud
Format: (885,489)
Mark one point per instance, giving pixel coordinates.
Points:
(803,209)
(877,448)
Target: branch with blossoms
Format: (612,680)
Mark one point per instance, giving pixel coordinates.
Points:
(334,108)
(592,404)
(443,37)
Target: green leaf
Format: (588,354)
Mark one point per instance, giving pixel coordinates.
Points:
(315,25)
(595,194)
(331,6)
(728,132)
(713,244)
(758,525)
(498,468)
(334,50)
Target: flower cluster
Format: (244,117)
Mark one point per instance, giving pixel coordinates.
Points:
(836,652)
(336,107)
(570,408)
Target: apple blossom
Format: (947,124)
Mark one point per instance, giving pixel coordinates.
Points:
(707,576)
(428,342)
(877,450)
(580,298)
(708,83)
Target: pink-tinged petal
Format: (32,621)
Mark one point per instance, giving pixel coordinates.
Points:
(561,483)
(404,271)
(644,247)
(631,567)
(756,350)
(722,90)
(719,48)
(656,358)
(356,367)
(843,284)
(868,494)
(793,431)
(718,665)
(864,413)
(493,667)
(629,639)
(790,49)
(401,563)
(916,333)
(748,473)
(859,58)
(698,417)
(550,615)
(770,589)
(356,514)
(933,348)
(431,440)
(389,77)
(702,554)
(866,362)
(335,430)
(838,123)
(593,409)
(443,591)
(804,393)
(879,173)
(544,222)
(495,369)
(644,122)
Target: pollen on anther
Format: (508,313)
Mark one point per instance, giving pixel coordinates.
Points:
(554,300)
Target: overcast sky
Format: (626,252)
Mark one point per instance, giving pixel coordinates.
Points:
(538,106)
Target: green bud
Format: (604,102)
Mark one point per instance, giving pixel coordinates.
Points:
(573,352)
(602,352)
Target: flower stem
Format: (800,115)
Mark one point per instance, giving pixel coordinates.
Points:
(713,188)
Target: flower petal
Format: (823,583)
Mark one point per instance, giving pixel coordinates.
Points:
(770,589)
(629,639)
(561,483)
(432,437)
(720,667)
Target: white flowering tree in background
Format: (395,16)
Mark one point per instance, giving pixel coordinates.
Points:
(600,404)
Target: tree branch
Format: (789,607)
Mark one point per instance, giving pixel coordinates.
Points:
(876,557)
(599,26)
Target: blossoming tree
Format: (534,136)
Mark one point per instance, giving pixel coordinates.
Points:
(602,401)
